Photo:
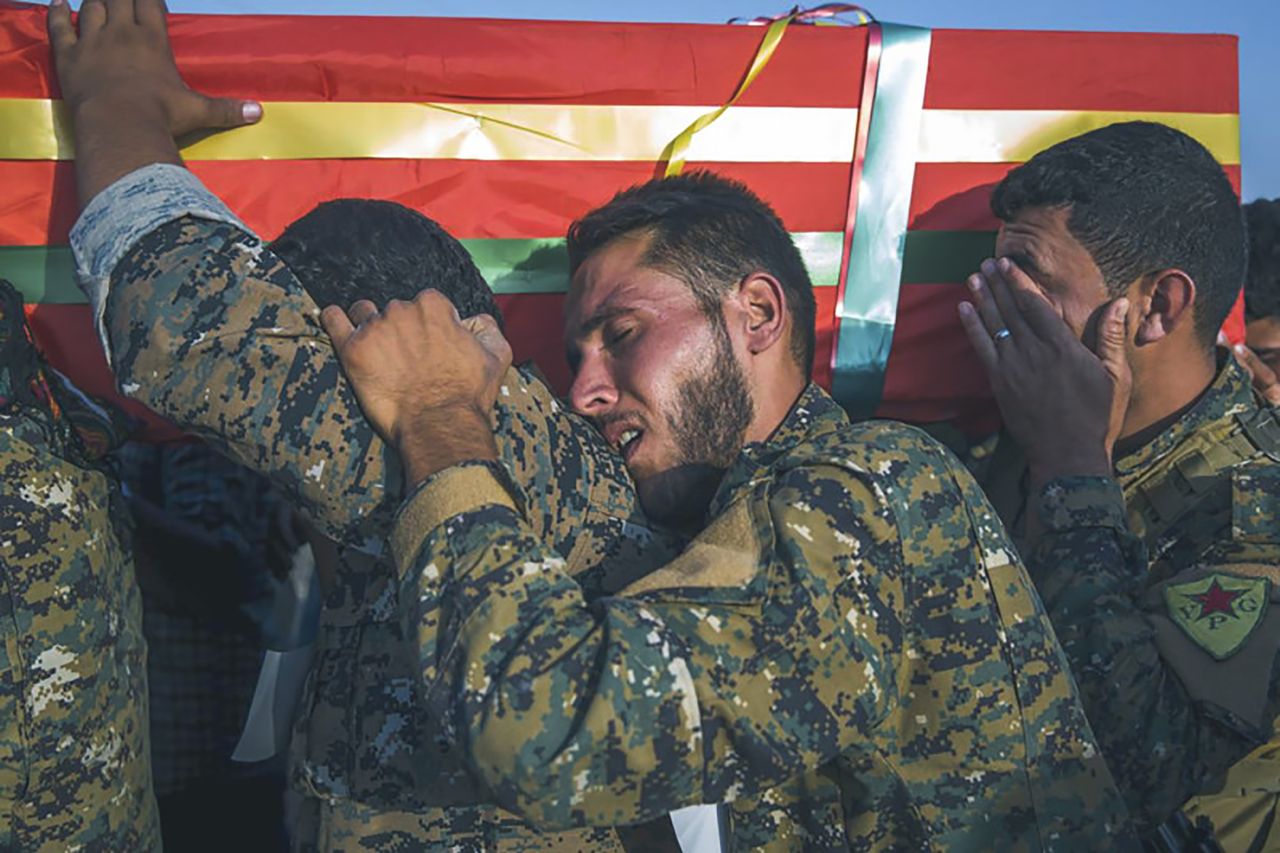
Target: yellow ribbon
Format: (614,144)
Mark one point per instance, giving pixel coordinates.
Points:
(674,155)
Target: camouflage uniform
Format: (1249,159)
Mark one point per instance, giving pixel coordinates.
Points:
(74,763)
(210,329)
(952,672)
(850,653)
(1179,681)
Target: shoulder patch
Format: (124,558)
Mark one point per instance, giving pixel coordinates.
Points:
(1219,611)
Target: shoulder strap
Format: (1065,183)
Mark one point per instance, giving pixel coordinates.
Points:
(1262,428)
(1202,477)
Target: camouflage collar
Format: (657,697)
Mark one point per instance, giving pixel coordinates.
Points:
(813,412)
(1229,394)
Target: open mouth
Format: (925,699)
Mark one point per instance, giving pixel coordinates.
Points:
(628,441)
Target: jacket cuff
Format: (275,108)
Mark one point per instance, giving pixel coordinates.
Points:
(125,212)
(1082,501)
(447,494)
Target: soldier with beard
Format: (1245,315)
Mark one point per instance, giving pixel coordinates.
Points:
(849,650)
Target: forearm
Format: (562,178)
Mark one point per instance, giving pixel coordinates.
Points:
(1091,573)
(114,137)
(440,438)
(528,678)
(236,359)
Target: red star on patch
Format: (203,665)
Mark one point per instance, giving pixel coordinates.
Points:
(1215,599)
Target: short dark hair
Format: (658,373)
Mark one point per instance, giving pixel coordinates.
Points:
(710,232)
(354,248)
(1262,287)
(1141,197)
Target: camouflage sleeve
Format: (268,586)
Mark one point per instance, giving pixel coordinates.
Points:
(1091,572)
(129,209)
(210,329)
(769,646)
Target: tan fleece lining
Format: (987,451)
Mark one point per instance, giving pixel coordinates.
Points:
(446,494)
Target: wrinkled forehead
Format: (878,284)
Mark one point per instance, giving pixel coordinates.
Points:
(1036,225)
(1039,239)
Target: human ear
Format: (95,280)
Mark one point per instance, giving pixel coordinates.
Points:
(763,307)
(1166,303)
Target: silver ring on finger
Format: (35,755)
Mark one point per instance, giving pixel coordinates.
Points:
(1001,334)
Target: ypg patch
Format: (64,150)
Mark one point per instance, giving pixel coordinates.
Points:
(1218,612)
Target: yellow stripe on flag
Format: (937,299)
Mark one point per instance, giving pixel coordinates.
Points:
(293,130)
(36,129)
(1013,136)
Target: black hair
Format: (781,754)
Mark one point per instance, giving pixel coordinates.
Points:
(710,232)
(1262,287)
(354,248)
(1141,197)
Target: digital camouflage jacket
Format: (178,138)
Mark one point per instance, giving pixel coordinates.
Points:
(75,767)
(1162,586)
(208,328)
(850,653)
(872,659)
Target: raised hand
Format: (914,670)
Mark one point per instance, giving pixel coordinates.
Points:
(1063,403)
(425,379)
(1265,380)
(123,90)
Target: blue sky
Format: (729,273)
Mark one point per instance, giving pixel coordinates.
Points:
(1257,22)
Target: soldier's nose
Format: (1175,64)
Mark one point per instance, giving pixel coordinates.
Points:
(593,392)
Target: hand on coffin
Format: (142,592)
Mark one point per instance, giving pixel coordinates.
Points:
(1063,403)
(123,90)
(425,379)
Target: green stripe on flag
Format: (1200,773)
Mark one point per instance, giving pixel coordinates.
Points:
(522,266)
(542,265)
(42,274)
(46,274)
(937,257)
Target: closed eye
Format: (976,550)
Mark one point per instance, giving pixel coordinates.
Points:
(1027,264)
(613,337)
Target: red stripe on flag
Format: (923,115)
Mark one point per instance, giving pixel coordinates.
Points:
(499,198)
(1013,70)
(933,374)
(460,59)
(471,199)
(325,58)
(956,196)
